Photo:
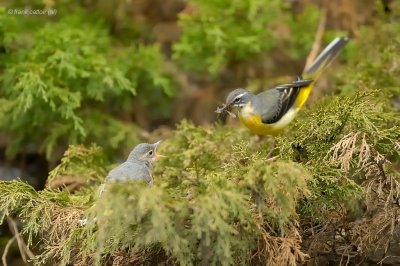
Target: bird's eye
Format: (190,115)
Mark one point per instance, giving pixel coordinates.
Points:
(236,100)
(150,153)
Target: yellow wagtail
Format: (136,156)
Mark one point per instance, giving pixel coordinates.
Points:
(270,111)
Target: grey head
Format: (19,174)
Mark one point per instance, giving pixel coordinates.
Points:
(144,152)
(237,99)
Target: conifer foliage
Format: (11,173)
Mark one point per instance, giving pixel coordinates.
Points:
(59,79)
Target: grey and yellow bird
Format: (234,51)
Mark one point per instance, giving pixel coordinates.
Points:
(270,111)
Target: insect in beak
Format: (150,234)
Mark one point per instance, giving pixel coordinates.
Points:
(224,108)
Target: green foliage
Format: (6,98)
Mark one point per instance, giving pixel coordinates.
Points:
(218,33)
(207,208)
(146,68)
(222,31)
(37,208)
(223,155)
(61,81)
(201,210)
(80,161)
(53,80)
(303,28)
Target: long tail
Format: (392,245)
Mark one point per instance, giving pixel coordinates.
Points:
(313,72)
(325,58)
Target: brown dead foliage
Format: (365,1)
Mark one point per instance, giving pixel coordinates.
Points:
(63,221)
(368,236)
(350,145)
(278,250)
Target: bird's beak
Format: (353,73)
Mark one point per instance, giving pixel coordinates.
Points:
(157,156)
(156,144)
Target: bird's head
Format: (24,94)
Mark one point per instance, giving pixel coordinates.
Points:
(237,99)
(144,152)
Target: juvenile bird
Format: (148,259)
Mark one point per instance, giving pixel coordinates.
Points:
(270,111)
(138,165)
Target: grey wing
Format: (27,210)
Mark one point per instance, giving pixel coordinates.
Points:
(277,101)
(129,170)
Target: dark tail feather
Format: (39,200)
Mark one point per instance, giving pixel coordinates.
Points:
(325,58)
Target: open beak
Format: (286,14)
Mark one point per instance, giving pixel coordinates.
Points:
(156,144)
(156,156)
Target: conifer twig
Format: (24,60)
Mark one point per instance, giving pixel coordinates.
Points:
(23,248)
(317,40)
(7,247)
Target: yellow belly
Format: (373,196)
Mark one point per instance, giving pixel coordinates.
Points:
(254,123)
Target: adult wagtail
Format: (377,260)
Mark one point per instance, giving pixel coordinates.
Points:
(270,111)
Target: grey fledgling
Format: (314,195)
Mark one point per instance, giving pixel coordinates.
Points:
(137,166)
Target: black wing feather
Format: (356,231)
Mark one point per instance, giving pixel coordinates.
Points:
(287,97)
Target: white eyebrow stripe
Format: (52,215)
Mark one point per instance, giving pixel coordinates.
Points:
(240,95)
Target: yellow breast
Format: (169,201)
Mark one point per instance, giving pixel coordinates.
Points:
(254,123)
